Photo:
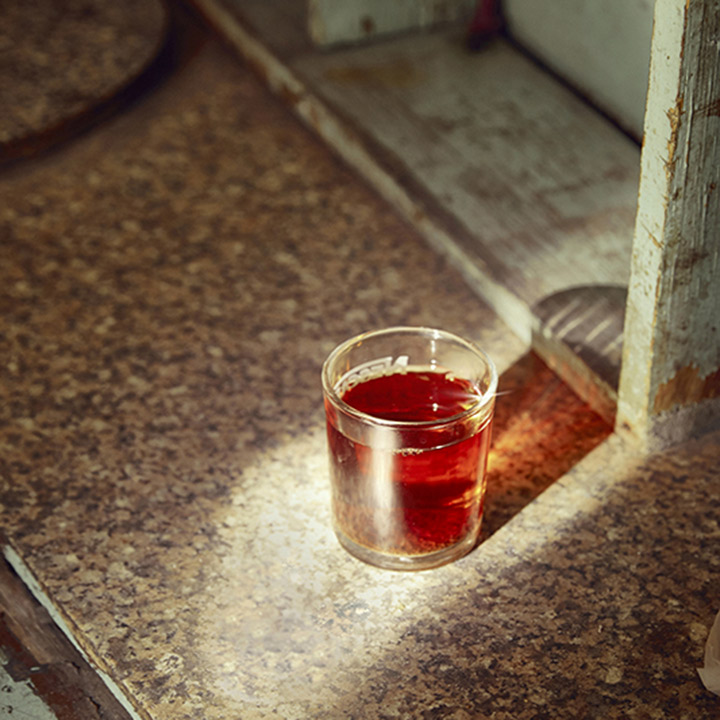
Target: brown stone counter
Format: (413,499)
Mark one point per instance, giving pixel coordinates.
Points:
(171,283)
(63,63)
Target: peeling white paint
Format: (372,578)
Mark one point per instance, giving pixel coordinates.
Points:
(672,328)
(39,594)
(19,699)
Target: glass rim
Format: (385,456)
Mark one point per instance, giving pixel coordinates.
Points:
(481,404)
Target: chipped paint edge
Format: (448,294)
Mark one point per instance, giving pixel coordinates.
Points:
(32,584)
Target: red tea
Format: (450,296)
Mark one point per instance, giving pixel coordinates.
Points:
(409,489)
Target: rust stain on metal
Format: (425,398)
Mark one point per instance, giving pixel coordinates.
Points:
(686,261)
(265,73)
(418,216)
(396,74)
(674,115)
(290,97)
(368,25)
(687,387)
(313,117)
(710,109)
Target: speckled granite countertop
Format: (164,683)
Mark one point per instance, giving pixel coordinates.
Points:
(60,61)
(171,284)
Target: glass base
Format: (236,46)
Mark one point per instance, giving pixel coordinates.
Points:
(426,561)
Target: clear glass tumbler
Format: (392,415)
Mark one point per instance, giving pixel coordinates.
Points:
(409,413)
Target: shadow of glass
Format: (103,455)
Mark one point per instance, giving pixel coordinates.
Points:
(541,429)
(589,319)
(596,604)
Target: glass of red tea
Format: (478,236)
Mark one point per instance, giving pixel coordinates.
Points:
(409,413)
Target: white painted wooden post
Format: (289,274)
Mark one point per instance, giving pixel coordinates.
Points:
(670,379)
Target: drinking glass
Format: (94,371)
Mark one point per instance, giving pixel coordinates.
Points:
(409,413)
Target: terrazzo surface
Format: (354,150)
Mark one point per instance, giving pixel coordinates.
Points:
(60,60)
(171,283)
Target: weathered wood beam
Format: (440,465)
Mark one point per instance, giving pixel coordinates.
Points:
(670,380)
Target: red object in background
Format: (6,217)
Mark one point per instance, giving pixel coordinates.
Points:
(486,23)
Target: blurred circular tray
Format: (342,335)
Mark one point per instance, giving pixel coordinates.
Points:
(61,61)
